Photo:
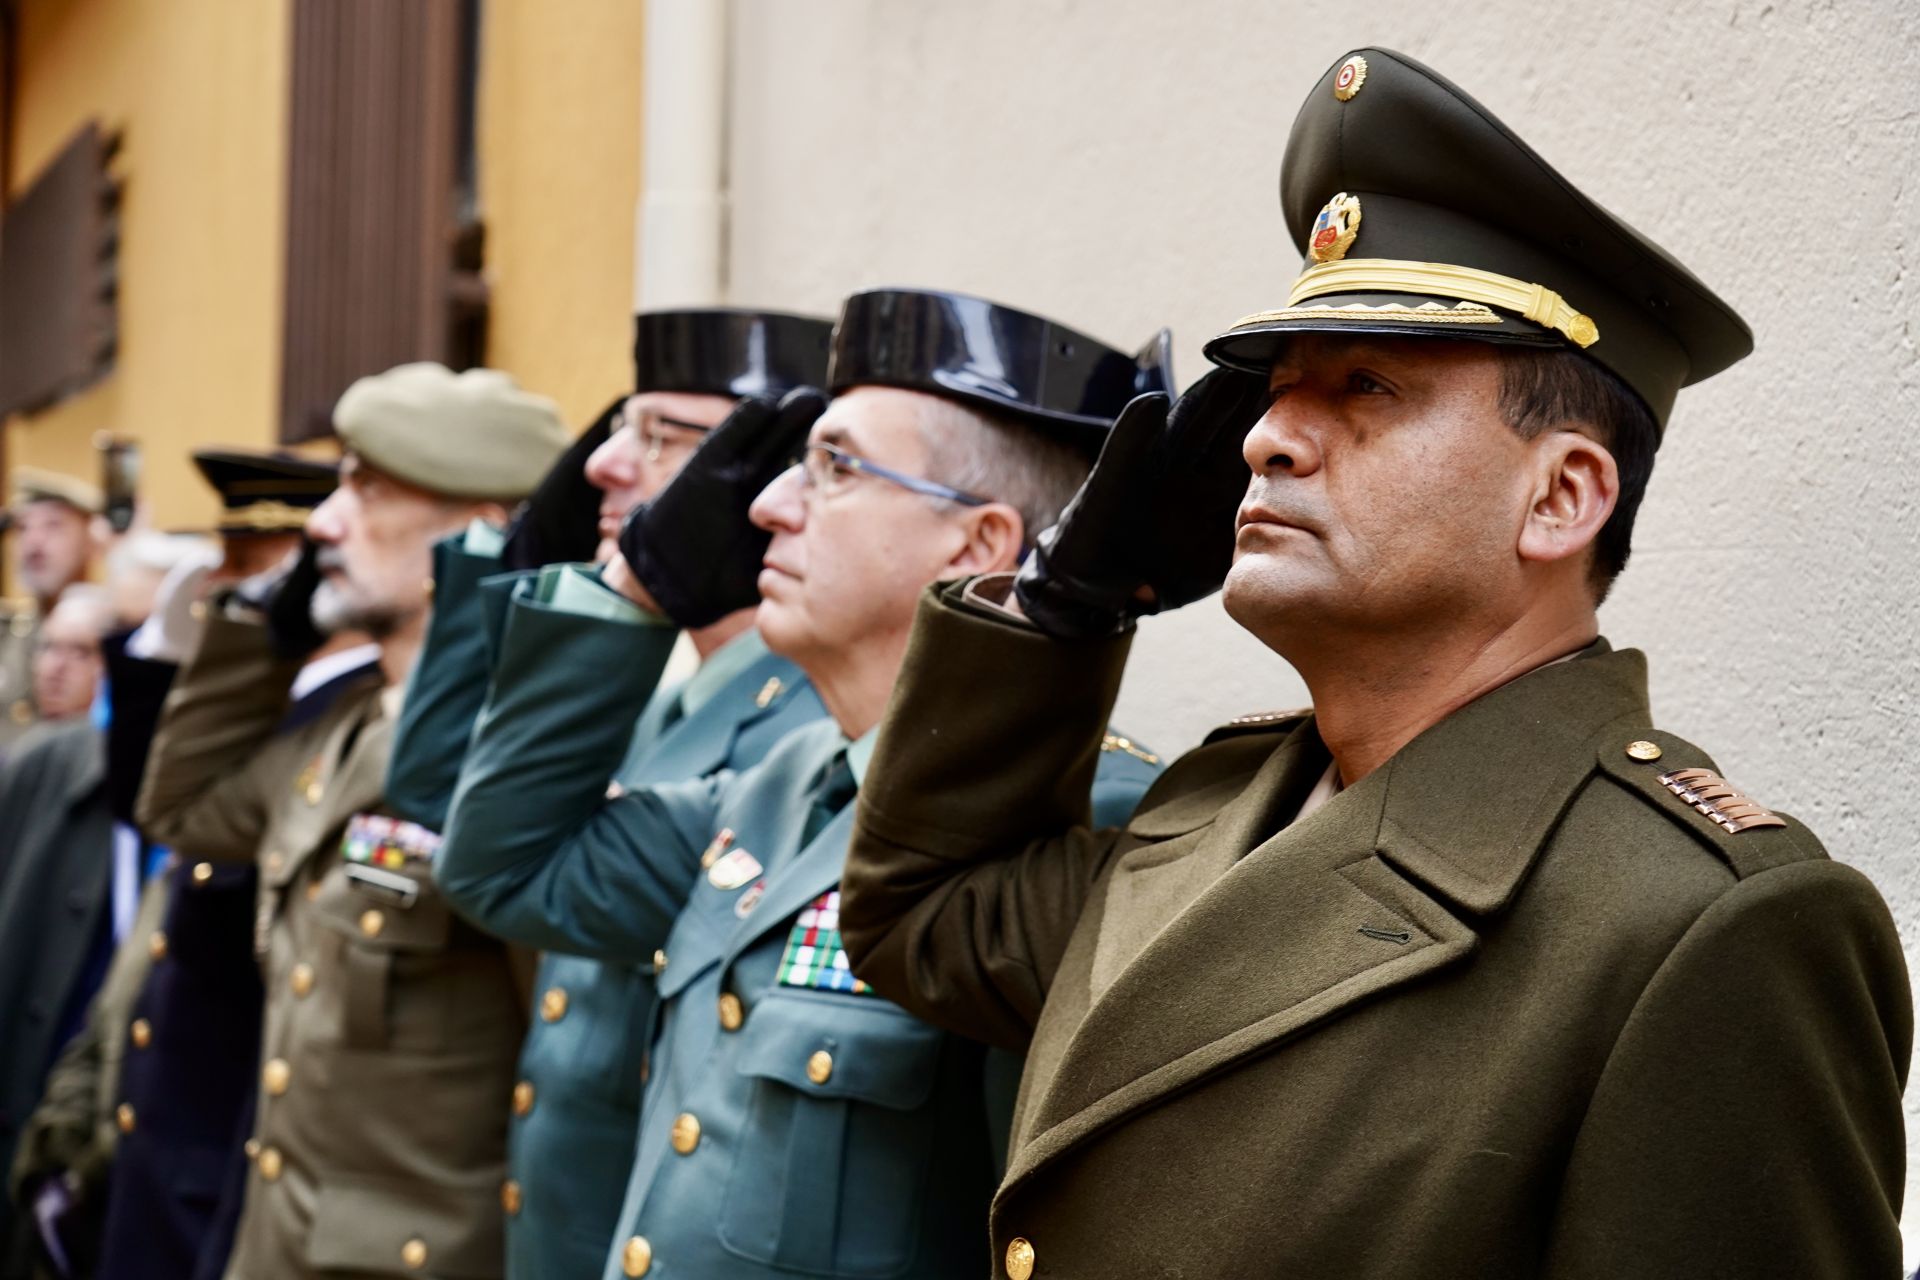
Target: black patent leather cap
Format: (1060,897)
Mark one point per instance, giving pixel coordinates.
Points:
(1422,215)
(1006,361)
(728,351)
(263,492)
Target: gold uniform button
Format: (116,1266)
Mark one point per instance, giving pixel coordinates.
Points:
(686,1132)
(253,1148)
(510,1197)
(157,945)
(123,1116)
(142,1033)
(313,891)
(276,1077)
(820,1066)
(732,1012)
(314,792)
(202,872)
(636,1256)
(372,921)
(523,1097)
(414,1253)
(1643,750)
(301,980)
(553,1004)
(1019,1259)
(659,963)
(270,1163)
(197,611)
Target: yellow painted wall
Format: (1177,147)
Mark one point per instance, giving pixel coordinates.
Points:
(559,154)
(198,88)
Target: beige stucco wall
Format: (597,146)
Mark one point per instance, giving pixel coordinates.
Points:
(559,143)
(197,89)
(1114,165)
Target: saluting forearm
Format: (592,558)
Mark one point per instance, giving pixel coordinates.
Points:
(534,850)
(972,858)
(198,794)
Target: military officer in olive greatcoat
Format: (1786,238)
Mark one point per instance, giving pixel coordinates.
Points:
(792,1121)
(1470,970)
(50,519)
(576,1101)
(390,1027)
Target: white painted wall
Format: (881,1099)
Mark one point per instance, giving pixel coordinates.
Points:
(1114,165)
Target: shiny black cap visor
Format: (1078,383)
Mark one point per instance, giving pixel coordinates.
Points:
(726,351)
(1006,361)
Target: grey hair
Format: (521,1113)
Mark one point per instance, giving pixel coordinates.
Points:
(995,457)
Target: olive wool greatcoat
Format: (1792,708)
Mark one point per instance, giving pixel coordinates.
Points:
(1527,1000)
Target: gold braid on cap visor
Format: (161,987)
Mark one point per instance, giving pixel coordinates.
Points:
(1433,279)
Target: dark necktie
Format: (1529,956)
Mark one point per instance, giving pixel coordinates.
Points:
(831,794)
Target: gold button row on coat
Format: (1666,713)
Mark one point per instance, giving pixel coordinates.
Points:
(553,1004)
(636,1256)
(276,1077)
(270,1163)
(414,1254)
(142,1033)
(301,980)
(1019,1259)
(202,872)
(510,1197)
(523,1097)
(123,1116)
(732,1012)
(686,1133)
(157,945)
(820,1066)
(372,921)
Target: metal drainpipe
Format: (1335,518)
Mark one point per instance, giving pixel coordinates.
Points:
(680,227)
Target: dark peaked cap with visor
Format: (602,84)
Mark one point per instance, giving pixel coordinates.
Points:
(729,351)
(1423,215)
(1014,363)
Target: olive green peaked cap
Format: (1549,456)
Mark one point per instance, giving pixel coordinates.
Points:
(1421,214)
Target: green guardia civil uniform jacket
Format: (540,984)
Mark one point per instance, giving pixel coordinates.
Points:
(1542,996)
(576,1101)
(793,1122)
(391,1026)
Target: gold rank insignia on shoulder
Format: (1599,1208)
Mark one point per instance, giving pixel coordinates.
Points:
(1347,80)
(306,784)
(1334,230)
(1114,742)
(1724,804)
(1268,717)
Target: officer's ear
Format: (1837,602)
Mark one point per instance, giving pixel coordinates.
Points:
(994,536)
(1575,485)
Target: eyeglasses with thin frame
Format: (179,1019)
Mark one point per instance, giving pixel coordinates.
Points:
(825,467)
(655,431)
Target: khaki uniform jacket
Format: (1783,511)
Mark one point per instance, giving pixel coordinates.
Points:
(19,624)
(1508,1006)
(391,1027)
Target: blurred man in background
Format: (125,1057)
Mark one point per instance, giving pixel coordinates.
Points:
(171,1040)
(52,520)
(67,662)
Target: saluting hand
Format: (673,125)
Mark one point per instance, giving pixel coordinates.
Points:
(560,522)
(283,594)
(1152,527)
(693,547)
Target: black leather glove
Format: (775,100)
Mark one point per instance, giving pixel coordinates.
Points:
(284,595)
(693,548)
(560,521)
(1152,527)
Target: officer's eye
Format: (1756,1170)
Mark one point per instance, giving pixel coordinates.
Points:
(1366,384)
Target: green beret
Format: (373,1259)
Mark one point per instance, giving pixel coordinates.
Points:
(35,484)
(465,435)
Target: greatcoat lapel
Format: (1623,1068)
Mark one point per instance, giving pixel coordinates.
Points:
(1358,898)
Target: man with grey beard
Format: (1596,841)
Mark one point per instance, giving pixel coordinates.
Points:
(391,1027)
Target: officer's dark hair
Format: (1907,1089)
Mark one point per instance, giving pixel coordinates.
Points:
(1545,389)
(993,455)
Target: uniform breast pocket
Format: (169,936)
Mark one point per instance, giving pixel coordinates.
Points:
(391,934)
(833,1160)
